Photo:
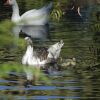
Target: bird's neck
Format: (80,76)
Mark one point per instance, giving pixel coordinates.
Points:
(29,51)
(15,14)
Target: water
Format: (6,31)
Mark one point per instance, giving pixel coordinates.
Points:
(80,82)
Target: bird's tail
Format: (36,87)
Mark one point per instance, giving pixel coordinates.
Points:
(49,6)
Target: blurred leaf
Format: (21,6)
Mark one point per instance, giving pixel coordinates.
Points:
(5,33)
(57,12)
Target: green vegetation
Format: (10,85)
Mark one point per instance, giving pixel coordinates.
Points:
(57,12)
(6,68)
(5,33)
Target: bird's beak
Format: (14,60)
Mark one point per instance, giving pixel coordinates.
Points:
(7,2)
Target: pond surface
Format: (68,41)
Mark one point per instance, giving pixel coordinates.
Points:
(80,82)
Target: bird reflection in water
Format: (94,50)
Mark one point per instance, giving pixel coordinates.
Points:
(40,33)
(36,32)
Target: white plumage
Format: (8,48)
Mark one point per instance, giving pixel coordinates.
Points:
(31,17)
(54,50)
(32,59)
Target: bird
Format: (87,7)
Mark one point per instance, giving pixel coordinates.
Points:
(69,62)
(32,59)
(31,17)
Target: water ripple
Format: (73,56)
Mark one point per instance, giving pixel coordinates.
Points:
(47,97)
(42,88)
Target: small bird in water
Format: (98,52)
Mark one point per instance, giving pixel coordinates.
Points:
(68,62)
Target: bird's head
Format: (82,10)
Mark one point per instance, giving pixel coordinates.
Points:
(28,40)
(9,2)
(61,43)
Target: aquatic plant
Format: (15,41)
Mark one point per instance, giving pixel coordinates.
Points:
(57,12)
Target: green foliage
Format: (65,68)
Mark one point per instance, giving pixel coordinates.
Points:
(5,32)
(7,67)
(7,37)
(19,68)
(57,12)
(58,9)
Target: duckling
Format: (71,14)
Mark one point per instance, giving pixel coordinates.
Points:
(68,62)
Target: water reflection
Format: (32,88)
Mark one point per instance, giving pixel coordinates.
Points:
(37,32)
(16,30)
(67,87)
